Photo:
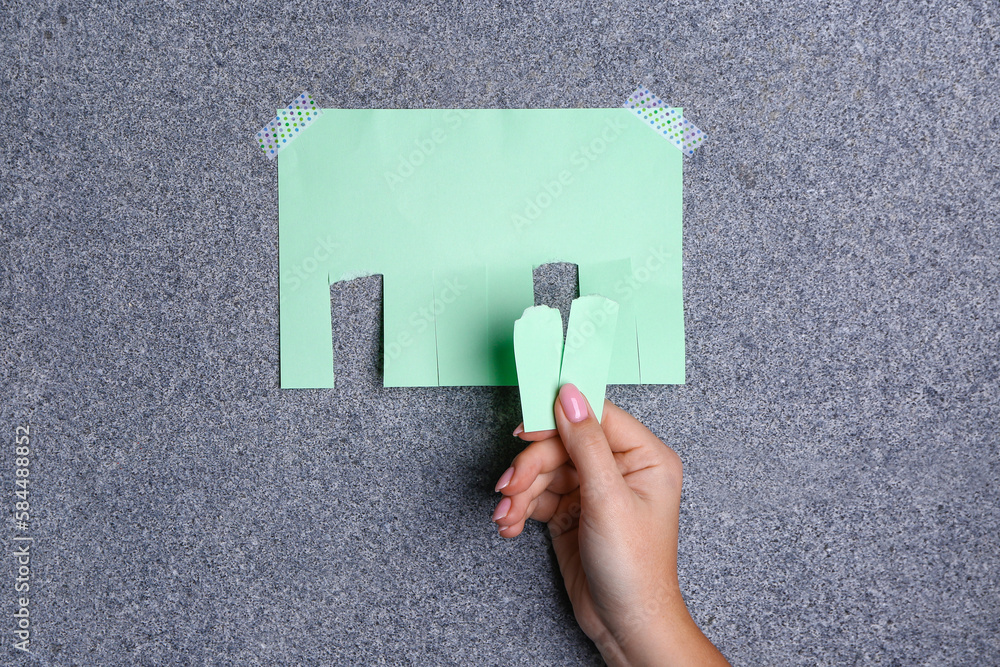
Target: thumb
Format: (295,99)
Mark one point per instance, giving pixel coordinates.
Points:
(586,444)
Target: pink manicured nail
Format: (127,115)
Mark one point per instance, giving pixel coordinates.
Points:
(519,430)
(505,478)
(573,403)
(502,508)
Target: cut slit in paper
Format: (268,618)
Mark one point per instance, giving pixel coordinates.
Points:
(668,122)
(544,363)
(455,208)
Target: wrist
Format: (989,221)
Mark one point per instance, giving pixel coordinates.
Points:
(660,627)
(660,632)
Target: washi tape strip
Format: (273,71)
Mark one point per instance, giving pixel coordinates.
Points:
(668,122)
(288,124)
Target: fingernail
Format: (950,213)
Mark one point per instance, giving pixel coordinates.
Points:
(502,508)
(505,478)
(519,430)
(573,403)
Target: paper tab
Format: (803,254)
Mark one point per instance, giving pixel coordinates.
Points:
(590,338)
(538,344)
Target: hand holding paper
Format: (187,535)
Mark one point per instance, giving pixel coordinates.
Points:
(610,494)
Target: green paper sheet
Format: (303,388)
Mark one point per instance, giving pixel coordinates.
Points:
(454,208)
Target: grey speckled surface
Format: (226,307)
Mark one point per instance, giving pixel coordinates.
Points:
(839,426)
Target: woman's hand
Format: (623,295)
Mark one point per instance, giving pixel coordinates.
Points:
(610,495)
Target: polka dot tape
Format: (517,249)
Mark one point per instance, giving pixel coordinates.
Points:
(668,122)
(287,125)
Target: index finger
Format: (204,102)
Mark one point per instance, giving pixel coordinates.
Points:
(534,436)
